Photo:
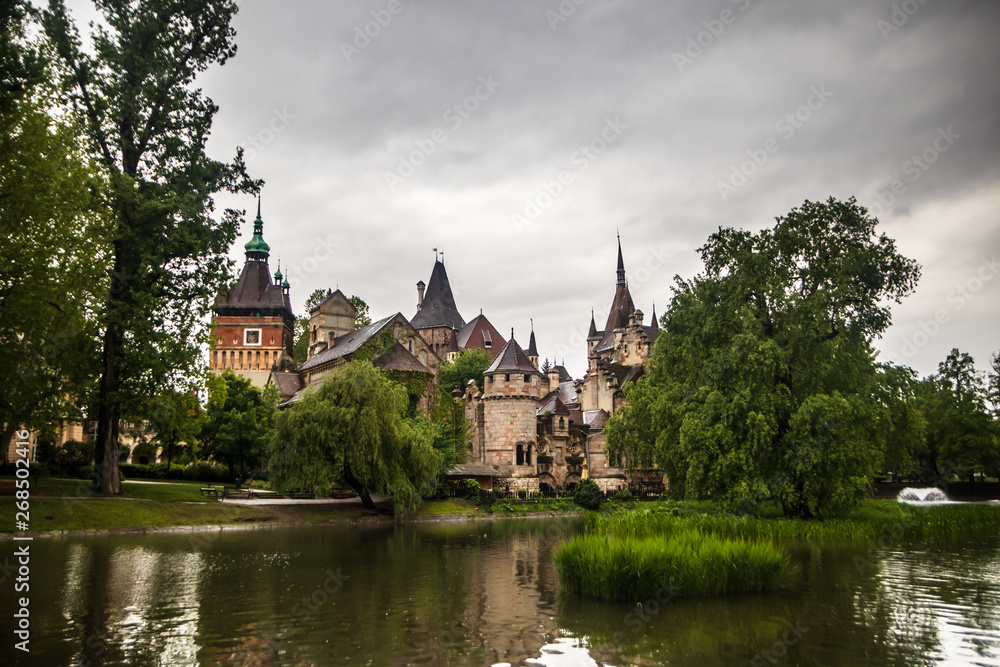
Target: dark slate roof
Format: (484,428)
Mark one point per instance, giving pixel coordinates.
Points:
(532,350)
(652,333)
(564,375)
(595,419)
(512,359)
(398,358)
(652,321)
(557,400)
(621,310)
(438,308)
(477,332)
(287,382)
(472,470)
(349,343)
(254,291)
(593,333)
(453,343)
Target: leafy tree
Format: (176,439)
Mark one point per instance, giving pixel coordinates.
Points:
(176,418)
(546,365)
(300,351)
(54,243)
(961,433)
(468,365)
(237,425)
(147,126)
(905,441)
(361,318)
(762,381)
(353,429)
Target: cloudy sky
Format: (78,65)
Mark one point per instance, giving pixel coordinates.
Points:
(518,136)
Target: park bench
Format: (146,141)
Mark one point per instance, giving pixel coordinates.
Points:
(233,492)
(260,493)
(212,491)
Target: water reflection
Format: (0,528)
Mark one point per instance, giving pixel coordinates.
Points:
(485,594)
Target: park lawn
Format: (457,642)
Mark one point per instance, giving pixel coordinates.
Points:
(173,490)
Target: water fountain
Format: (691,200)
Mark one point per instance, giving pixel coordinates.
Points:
(931,494)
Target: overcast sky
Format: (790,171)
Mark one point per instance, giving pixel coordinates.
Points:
(517,137)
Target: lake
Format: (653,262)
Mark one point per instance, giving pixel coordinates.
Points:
(485,593)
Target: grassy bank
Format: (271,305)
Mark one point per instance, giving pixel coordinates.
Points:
(872,520)
(683,563)
(67,504)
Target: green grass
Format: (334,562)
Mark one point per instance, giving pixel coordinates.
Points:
(871,520)
(683,563)
(141,490)
(449,506)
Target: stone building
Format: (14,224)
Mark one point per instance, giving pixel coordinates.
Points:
(253,325)
(542,431)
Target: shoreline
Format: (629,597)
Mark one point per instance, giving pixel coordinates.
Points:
(375,519)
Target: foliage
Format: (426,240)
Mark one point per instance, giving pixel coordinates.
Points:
(468,365)
(354,429)
(962,434)
(762,381)
(472,489)
(175,420)
(55,243)
(147,127)
(684,563)
(237,424)
(361,317)
(300,350)
(201,471)
(588,495)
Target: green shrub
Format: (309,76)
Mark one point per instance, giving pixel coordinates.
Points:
(588,495)
(624,495)
(472,489)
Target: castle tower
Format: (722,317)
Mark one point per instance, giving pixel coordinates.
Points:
(253,324)
(512,388)
(532,351)
(331,319)
(437,317)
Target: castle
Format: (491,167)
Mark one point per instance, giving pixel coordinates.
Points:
(534,431)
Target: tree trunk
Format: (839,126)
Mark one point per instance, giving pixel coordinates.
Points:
(352,481)
(106,446)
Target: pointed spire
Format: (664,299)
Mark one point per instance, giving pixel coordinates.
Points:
(532,351)
(593,325)
(653,323)
(257,248)
(621,263)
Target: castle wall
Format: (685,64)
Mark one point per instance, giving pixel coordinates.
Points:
(233,346)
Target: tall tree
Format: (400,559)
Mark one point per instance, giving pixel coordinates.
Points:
(353,429)
(468,365)
(361,317)
(55,242)
(147,127)
(762,380)
(175,420)
(238,423)
(961,432)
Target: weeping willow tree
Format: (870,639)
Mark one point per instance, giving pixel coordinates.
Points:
(354,429)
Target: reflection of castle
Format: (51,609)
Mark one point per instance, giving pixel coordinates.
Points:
(535,429)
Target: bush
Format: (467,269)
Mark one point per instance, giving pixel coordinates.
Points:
(624,495)
(200,471)
(588,495)
(472,489)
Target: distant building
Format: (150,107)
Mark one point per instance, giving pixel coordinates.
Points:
(253,327)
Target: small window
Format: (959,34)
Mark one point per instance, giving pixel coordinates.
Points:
(527,456)
(520,454)
(560,422)
(251,336)
(506,377)
(527,379)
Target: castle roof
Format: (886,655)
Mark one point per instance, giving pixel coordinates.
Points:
(480,333)
(512,359)
(532,350)
(621,307)
(438,308)
(349,343)
(398,358)
(255,292)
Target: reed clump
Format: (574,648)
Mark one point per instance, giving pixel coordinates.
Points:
(684,562)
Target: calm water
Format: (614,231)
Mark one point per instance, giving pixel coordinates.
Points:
(481,594)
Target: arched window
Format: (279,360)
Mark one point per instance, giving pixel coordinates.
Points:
(560,422)
(520,454)
(527,456)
